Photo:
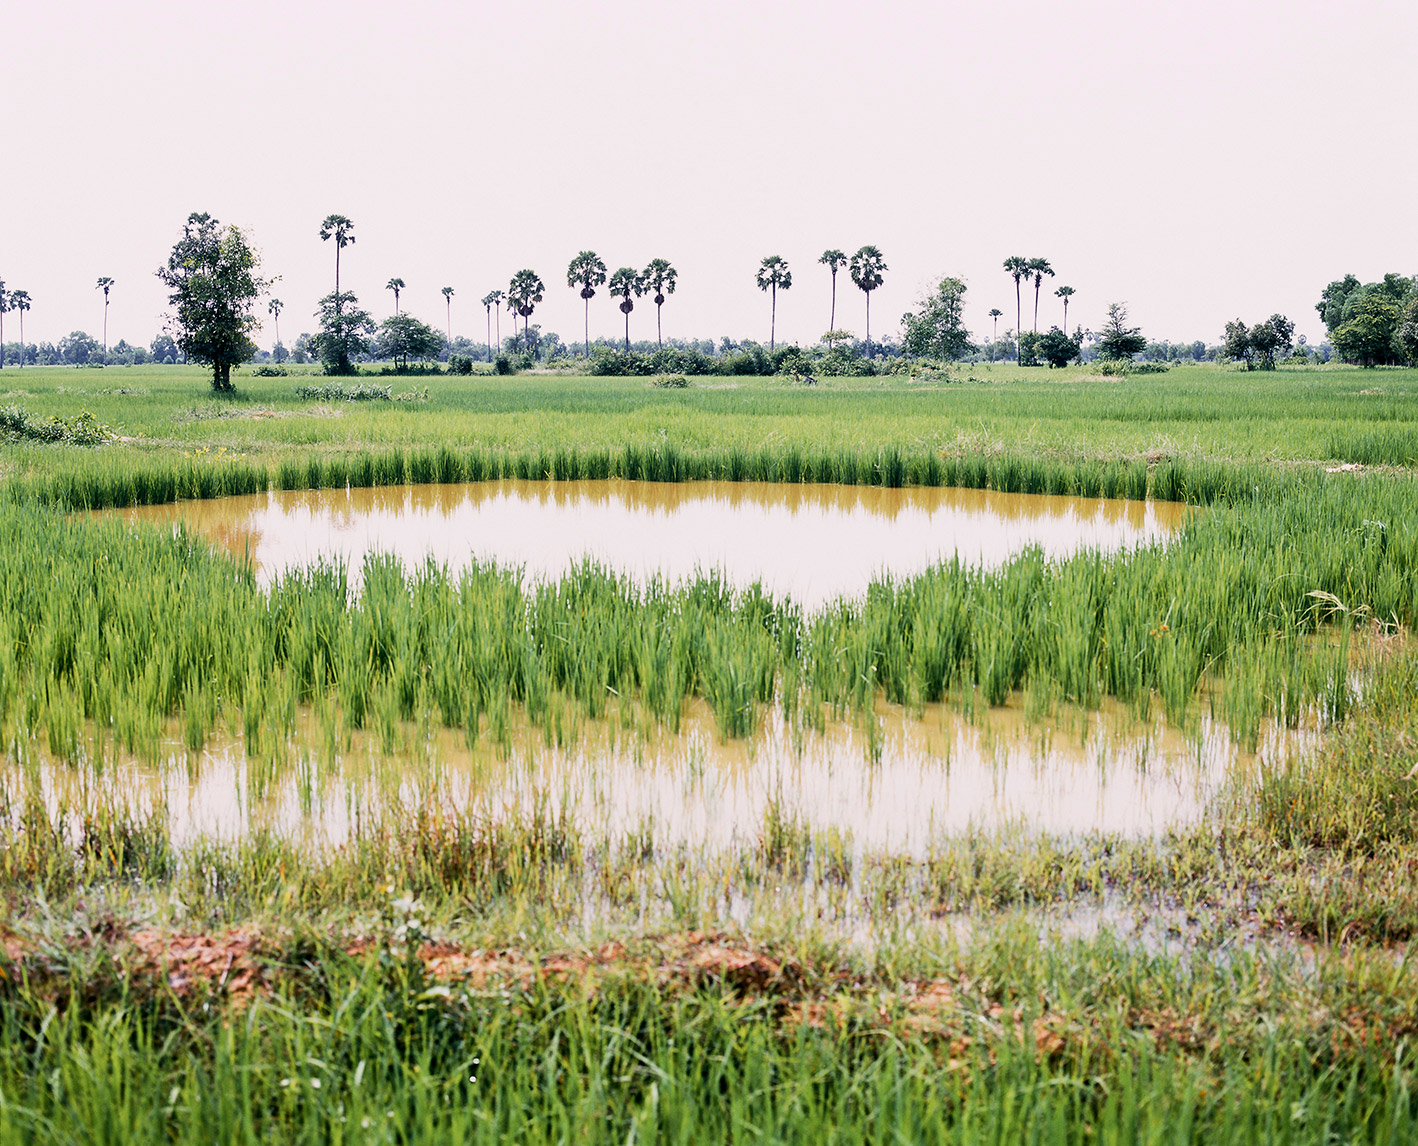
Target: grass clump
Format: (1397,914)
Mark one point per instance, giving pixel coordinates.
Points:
(345,392)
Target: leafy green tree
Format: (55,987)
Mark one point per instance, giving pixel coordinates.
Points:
(448,309)
(341,229)
(105,284)
(163,349)
(20,302)
(1039,268)
(274,308)
(1118,339)
(1259,345)
(1017,267)
(523,293)
(659,277)
(1332,300)
(627,281)
(395,285)
(1408,331)
(344,332)
(868,269)
(79,348)
(588,271)
(493,301)
(213,278)
(834,260)
(936,327)
(1065,293)
(1057,348)
(1368,334)
(402,337)
(774,275)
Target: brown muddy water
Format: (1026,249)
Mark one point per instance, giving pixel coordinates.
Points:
(897,787)
(813,543)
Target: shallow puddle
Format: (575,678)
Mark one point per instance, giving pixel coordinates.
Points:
(814,543)
(899,789)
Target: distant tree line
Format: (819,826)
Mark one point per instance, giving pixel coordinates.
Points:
(1372,324)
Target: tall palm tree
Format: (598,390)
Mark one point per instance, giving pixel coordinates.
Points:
(448,305)
(1065,293)
(996,314)
(773,275)
(523,293)
(20,300)
(104,284)
(625,282)
(868,268)
(274,306)
(659,277)
(1039,268)
(588,271)
(395,285)
(491,300)
(834,260)
(1017,267)
(341,229)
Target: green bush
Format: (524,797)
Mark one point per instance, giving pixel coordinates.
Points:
(459,364)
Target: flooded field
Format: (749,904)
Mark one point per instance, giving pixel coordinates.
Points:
(814,543)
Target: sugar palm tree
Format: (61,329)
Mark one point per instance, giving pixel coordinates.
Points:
(774,275)
(448,306)
(834,260)
(868,268)
(341,229)
(104,284)
(1017,268)
(996,314)
(20,301)
(659,277)
(1065,293)
(493,301)
(625,282)
(1039,268)
(274,306)
(523,293)
(588,271)
(395,285)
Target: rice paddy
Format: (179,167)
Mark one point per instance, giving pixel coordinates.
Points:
(1112,840)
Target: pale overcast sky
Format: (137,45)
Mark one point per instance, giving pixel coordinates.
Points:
(1201,161)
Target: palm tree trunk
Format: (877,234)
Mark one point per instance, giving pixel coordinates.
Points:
(489,334)
(659,337)
(105,328)
(1036,308)
(773,320)
(832,322)
(337,274)
(499,328)
(868,324)
(1018,317)
(449,303)
(22,340)
(2,334)
(588,327)
(627,330)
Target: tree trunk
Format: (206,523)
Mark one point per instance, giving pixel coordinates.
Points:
(450,325)
(22,340)
(337,274)
(2,334)
(489,334)
(868,324)
(773,320)
(627,330)
(659,337)
(1065,316)
(1036,308)
(588,327)
(1018,317)
(832,322)
(105,328)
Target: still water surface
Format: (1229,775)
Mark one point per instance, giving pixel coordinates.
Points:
(814,543)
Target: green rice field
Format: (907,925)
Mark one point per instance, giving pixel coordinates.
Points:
(472,957)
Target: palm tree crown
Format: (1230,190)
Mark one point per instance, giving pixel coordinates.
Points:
(492,299)
(774,275)
(868,269)
(1039,268)
(395,285)
(523,293)
(448,304)
(659,276)
(627,281)
(1065,293)
(1017,267)
(588,271)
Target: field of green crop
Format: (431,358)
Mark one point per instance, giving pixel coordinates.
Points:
(451,972)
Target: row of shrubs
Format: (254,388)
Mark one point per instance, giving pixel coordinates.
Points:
(83,430)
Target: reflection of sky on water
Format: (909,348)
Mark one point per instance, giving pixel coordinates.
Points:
(934,779)
(814,543)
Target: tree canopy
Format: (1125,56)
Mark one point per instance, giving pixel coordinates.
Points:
(402,337)
(936,327)
(1119,340)
(344,332)
(1259,345)
(214,282)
